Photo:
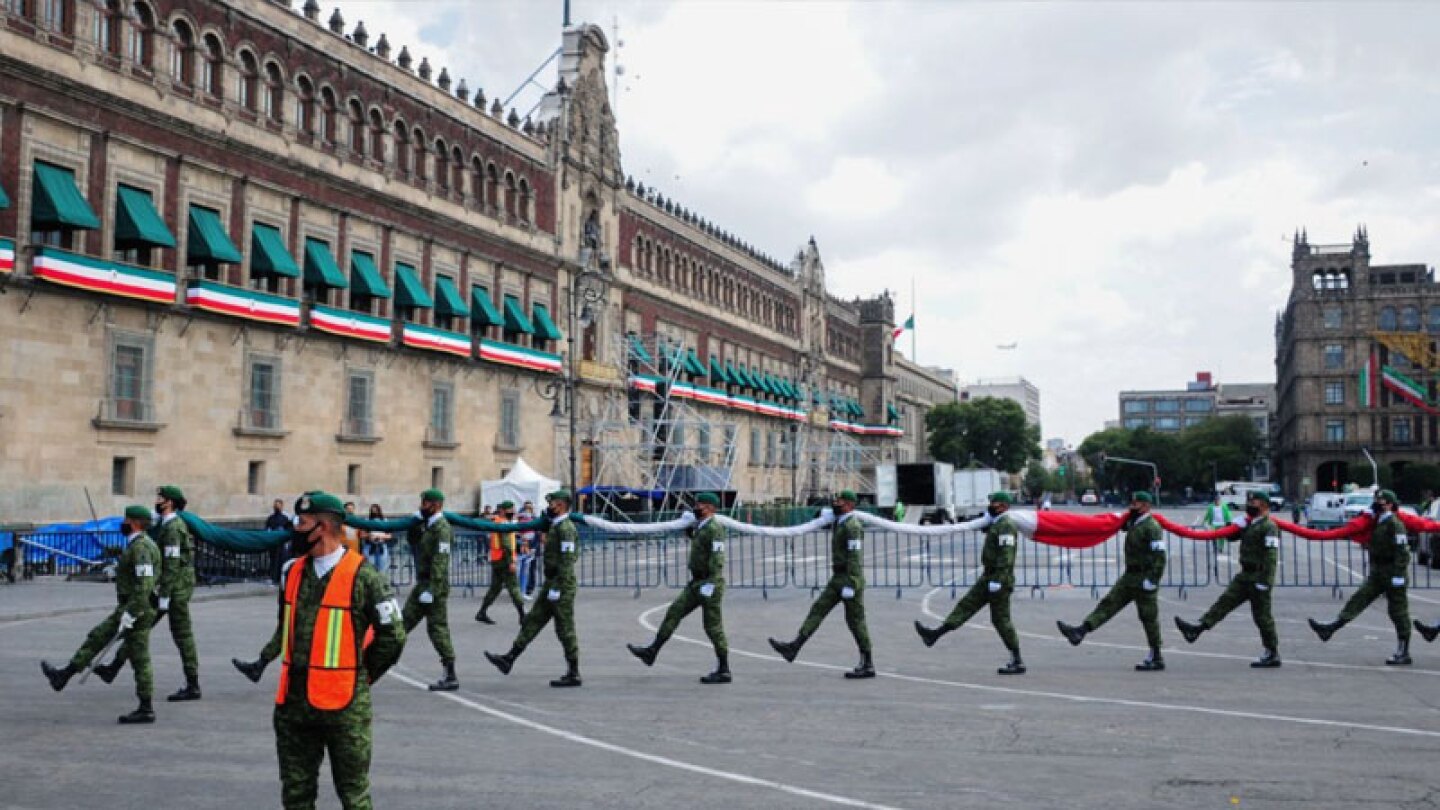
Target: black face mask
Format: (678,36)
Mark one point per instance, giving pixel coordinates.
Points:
(159,507)
(1252,511)
(1376,508)
(302,542)
(993,510)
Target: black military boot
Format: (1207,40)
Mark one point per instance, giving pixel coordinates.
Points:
(58,677)
(928,635)
(251,669)
(1154,662)
(143,714)
(865,669)
(1325,631)
(190,691)
(520,609)
(1267,660)
(571,676)
(107,672)
(646,654)
(481,617)
(1188,630)
(503,662)
(1015,667)
(1428,632)
(1074,634)
(721,673)
(1401,658)
(789,649)
(448,682)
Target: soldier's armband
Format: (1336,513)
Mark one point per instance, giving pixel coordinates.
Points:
(1272,542)
(1007,539)
(443,548)
(567,547)
(854,544)
(717,547)
(145,570)
(172,551)
(1157,545)
(387,611)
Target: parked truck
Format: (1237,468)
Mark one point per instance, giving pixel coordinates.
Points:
(973,488)
(927,487)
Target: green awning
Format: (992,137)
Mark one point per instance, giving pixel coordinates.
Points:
(693,365)
(4,199)
(637,347)
(785,389)
(56,202)
(544,326)
(748,379)
(320,267)
(893,411)
(717,372)
(515,320)
(482,309)
(365,278)
(448,300)
(856,409)
(137,223)
(733,373)
(409,292)
(268,255)
(208,241)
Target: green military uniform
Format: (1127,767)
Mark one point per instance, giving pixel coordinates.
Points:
(432,542)
(994,586)
(177,584)
(846,585)
(1259,553)
(707,567)
(1144,568)
(134,584)
(562,548)
(502,576)
(1389,573)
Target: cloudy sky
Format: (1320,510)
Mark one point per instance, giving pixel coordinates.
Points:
(1112,187)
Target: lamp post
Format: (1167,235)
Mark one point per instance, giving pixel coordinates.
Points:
(586,292)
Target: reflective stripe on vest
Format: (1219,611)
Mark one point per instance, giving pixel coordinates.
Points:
(497,550)
(334,654)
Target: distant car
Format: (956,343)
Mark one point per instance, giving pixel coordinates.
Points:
(1089,498)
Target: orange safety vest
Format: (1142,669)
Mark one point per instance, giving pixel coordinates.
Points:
(334,653)
(497,547)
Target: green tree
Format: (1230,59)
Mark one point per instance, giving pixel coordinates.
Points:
(1037,479)
(1217,449)
(990,431)
(1413,480)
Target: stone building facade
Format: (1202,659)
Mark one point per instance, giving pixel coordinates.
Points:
(254,252)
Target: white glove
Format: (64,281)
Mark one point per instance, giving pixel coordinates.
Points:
(1147,584)
(126,621)
(1260,586)
(847,592)
(553,595)
(995,587)
(707,590)
(426,597)
(164,603)
(1397,582)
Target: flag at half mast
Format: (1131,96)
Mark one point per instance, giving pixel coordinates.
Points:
(909,324)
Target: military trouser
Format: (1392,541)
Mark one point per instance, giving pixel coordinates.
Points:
(1243,589)
(1128,589)
(1395,598)
(135,648)
(562,611)
(183,632)
(271,650)
(977,597)
(501,577)
(685,604)
(854,611)
(304,734)
(437,623)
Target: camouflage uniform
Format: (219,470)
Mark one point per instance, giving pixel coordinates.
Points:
(177,583)
(707,566)
(847,543)
(562,547)
(1389,561)
(502,574)
(432,574)
(134,582)
(304,734)
(1144,562)
(996,583)
(1259,552)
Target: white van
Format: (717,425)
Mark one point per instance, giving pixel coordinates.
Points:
(1326,509)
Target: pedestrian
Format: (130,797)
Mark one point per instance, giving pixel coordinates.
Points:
(130,620)
(993,588)
(329,607)
(1389,566)
(846,586)
(177,584)
(377,544)
(706,590)
(277,521)
(530,560)
(899,512)
(1140,583)
(562,547)
(1216,516)
(352,534)
(431,541)
(502,567)
(1259,555)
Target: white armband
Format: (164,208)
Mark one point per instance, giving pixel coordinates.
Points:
(146,570)
(388,610)
(717,547)
(854,544)
(567,547)
(172,551)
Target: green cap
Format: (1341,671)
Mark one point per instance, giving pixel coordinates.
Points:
(432,494)
(1143,496)
(137,512)
(170,492)
(1000,497)
(506,505)
(317,502)
(1257,495)
(709,498)
(559,495)
(846,495)
(1386,495)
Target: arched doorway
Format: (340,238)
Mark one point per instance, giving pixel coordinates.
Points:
(1330,476)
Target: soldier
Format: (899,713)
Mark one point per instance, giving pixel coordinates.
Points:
(502,567)
(1389,565)
(706,590)
(562,546)
(1259,552)
(177,583)
(846,585)
(430,542)
(134,584)
(996,583)
(330,605)
(1144,568)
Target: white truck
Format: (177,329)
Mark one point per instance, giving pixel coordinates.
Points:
(927,487)
(1234,493)
(973,488)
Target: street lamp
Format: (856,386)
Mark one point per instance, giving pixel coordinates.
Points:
(588,279)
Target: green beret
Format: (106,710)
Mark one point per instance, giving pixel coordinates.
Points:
(1257,495)
(507,505)
(708,498)
(1000,497)
(432,494)
(316,503)
(1142,496)
(137,512)
(846,495)
(1386,495)
(170,492)
(559,495)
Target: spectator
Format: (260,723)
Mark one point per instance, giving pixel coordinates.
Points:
(352,534)
(377,544)
(278,521)
(525,549)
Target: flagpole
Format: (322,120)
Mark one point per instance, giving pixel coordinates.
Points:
(913,357)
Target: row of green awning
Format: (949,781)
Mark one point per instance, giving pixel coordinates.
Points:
(56,202)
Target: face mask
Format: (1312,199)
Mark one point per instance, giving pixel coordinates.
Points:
(1376,508)
(159,507)
(302,542)
(1252,511)
(993,510)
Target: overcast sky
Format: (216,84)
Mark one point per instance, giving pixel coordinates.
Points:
(1112,187)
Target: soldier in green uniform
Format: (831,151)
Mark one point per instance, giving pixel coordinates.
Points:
(846,586)
(323,707)
(502,567)
(1389,571)
(1259,552)
(177,583)
(1140,583)
(996,583)
(706,590)
(562,547)
(131,619)
(430,542)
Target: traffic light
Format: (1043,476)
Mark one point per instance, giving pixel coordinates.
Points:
(1062,470)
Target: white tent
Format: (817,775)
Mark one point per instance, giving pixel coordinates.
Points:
(521,485)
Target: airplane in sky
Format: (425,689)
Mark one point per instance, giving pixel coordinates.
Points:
(1007,346)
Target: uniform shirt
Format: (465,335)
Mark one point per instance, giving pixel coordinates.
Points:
(504,542)
(1259,550)
(135,574)
(707,553)
(847,544)
(432,559)
(1389,548)
(371,605)
(997,558)
(1145,549)
(562,547)
(177,550)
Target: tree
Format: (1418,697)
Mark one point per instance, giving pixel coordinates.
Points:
(1037,479)
(1218,448)
(1414,479)
(990,431)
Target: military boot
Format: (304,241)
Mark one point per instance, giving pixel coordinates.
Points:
(1015,667)
(571,676)
(58,677)
(721,673)
(1401,658)
(483,618)
(1428,632)
(1154,662)
(1267,660)
(928,635)
(251,669)
(107,672)
(1074,634)
(646,654)
(190,691)
(865,669)
(502,662)
(448,682)
(789,649)
(520,609)
(1325,631)
(142,714)
(1188,630)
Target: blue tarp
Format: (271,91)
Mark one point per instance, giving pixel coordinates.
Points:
(652,494)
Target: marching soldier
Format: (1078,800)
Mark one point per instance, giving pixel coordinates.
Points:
(846,585)
(431,542)
(131,620)
(502,567)
(177,583)
(1389,567)
(1259,552)
(1144,568)
(996,583)
(706,590)
(341,631)
(562,546)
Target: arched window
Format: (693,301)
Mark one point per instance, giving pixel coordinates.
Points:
(526,201)
(477,181)
(442,165)
(492,188)
(418,143)
(356,127)
(1410,319)
(328,111)
(402,148)
(246,83)
(212,66)
(1387,320)
(511,196)
(304,105)
(457,170)
(182,55)
(274,93)
(377,136)
(109,20)
(142,36)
